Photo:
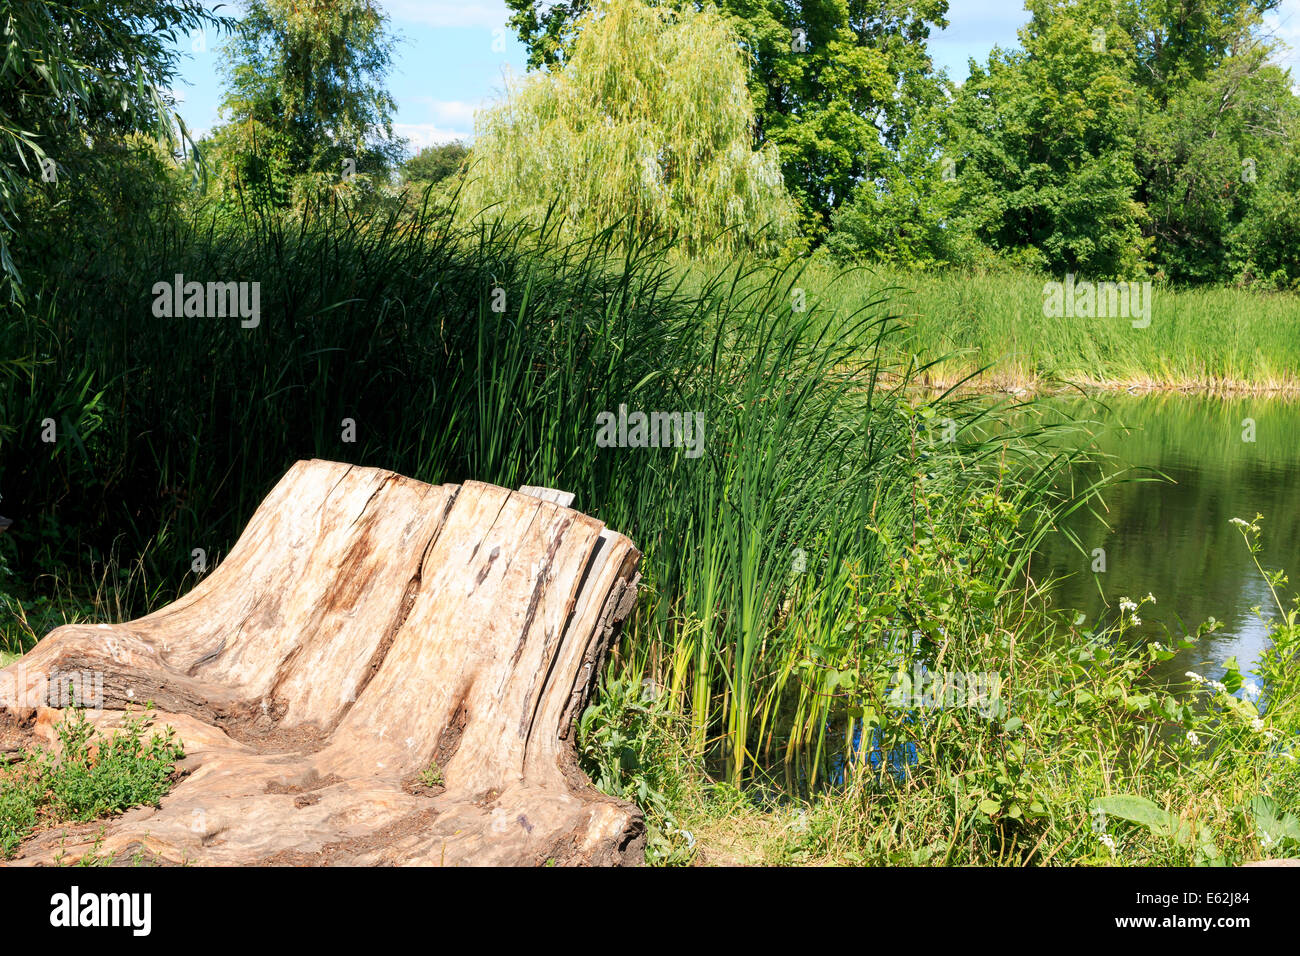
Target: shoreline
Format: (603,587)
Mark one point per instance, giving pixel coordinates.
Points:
(1024,386)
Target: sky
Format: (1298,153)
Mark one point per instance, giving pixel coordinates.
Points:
(454,56)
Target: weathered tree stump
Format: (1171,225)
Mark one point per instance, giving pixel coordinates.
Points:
(364,629)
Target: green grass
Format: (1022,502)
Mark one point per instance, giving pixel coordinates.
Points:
(89,776)
(1211,338)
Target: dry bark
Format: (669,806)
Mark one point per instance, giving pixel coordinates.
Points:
(365,628)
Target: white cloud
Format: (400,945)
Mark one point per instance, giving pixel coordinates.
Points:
(489,14)
(446,120)
(421,135)
(451,112)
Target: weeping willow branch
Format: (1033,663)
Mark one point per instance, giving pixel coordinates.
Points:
(650,121)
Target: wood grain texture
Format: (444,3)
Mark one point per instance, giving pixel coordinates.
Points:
(364,628)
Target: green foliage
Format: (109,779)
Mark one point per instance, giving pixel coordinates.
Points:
(82,72)
(90,775)
(1262,243)
(1044,140)
(305,109)
(837,84)
(1217,135)
(433,164)
(629,747)
(124,770)
(910,211)
(1120,139)
(650,123)
(1084,760)
(431,776)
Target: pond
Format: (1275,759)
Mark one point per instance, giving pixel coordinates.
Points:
(1226,458)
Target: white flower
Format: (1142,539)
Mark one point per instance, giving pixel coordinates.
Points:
(1194,677)
(1192,739)
(1251,690)
(1239,523)
(1257,723)
(1136,620)
(1108,842)
(1151,597)
(1126,605)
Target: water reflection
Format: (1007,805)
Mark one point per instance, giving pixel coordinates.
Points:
(1228,459)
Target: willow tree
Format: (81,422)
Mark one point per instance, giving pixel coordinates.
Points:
(305,103)
(650,121)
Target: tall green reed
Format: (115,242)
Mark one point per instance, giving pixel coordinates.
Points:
(465,348)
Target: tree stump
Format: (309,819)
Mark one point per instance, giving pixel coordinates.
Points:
(365,629)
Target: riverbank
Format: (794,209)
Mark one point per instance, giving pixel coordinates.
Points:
(1019,386)
(990,330)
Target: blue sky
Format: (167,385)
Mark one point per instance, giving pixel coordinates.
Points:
(455,55)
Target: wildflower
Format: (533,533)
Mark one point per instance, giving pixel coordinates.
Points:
(1126,605)
(1240,523)
(1151,597)
(1192,739)
(1136,620)
(1194,677)
(1108,842)
(1257,724)
(1251,690)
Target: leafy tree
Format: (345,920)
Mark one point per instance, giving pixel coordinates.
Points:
(1217,120)
(76,76)
(649,119)
(909,211)
(1128,134)
(836,84)
(433,164)
(1265,244)
(1043,141)
(305,106)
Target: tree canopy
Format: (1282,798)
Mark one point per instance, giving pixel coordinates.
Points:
(305,105)
(433,164)
(648,119)
(1120,138)
(74,73)
(836,83)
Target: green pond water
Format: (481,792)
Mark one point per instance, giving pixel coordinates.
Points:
(1174,539)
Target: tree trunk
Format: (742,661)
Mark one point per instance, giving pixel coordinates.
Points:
(365,628)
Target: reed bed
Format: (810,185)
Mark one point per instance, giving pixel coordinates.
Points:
(836,522)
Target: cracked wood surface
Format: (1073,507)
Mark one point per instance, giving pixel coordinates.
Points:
(364,627)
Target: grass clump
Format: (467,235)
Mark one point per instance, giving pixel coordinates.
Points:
(431,776)
(88,776)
